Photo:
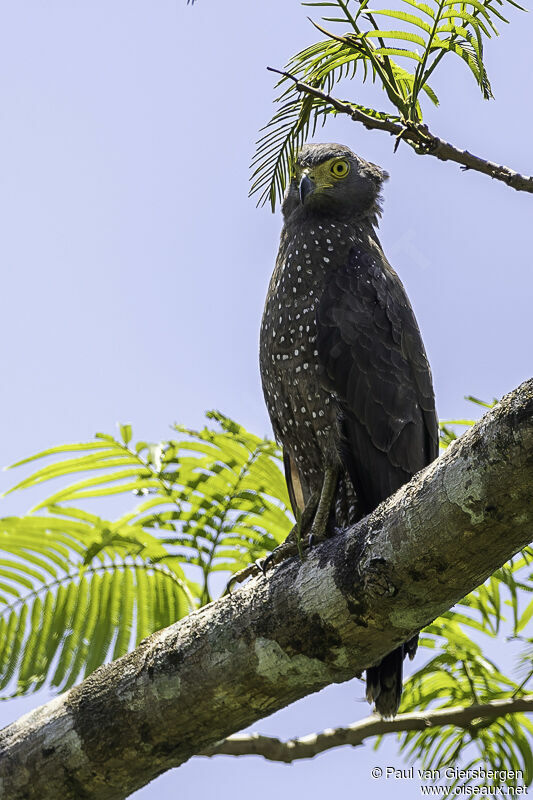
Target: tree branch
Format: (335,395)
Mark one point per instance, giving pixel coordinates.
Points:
(274,749)
(306,625)
(420,138)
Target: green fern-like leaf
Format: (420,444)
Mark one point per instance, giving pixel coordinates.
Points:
(460,675)
(77,590)
(62,611)
(436,29)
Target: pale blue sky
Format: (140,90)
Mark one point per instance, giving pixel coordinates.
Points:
(135,266)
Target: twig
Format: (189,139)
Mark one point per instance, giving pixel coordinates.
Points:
(274,749)
(420,138)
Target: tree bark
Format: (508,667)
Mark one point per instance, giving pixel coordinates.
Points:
(279,638)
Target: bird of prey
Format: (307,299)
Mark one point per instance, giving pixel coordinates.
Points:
(344,371)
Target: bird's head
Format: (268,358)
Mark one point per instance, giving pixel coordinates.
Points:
(329,179)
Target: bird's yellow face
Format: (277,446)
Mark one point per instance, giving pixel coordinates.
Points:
(320,176)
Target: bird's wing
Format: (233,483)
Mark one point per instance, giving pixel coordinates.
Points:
(374,362)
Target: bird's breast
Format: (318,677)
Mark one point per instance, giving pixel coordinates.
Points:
(306,259)
(288,330)
(302,409)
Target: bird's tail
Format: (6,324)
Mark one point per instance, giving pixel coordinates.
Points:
(384,681)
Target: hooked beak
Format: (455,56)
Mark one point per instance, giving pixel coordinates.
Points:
(305,188)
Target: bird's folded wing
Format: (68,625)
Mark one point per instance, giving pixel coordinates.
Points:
(374,361)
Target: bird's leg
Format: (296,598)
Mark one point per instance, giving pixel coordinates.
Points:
(315,514)
(320,521)
(293,542)
(290,547)
(297,531)
(314,518)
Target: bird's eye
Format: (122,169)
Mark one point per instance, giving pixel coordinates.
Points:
(340,169)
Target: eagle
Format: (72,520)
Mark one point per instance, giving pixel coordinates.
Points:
(344,371)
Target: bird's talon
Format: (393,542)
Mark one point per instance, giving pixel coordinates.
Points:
(241,576)
(262,564)
(315,538)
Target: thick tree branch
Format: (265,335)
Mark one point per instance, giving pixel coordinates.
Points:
(420,138)
(274,749)
(279,638)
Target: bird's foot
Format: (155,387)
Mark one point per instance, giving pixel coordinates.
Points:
(313,519)
(311,524)
(251,571)
(290,547)
(314,538)
(296,543)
